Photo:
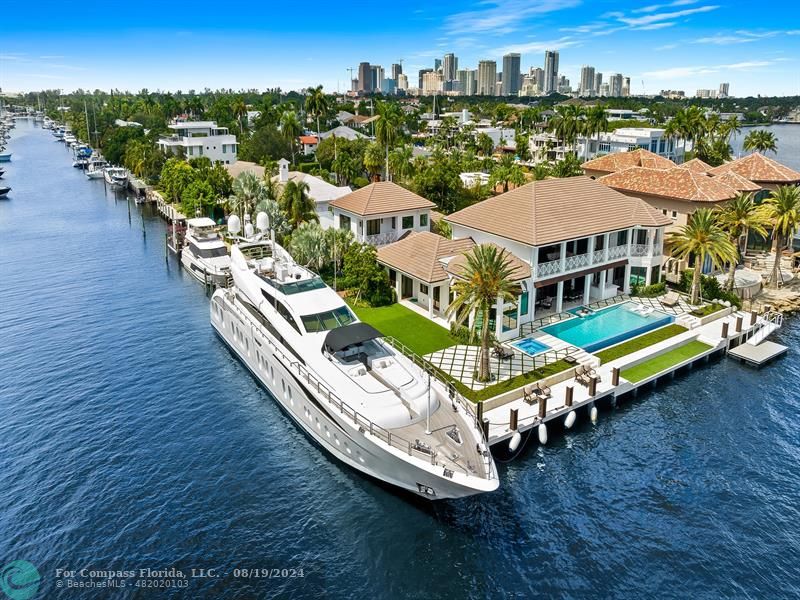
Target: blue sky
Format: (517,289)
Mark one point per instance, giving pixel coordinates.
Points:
(660,44)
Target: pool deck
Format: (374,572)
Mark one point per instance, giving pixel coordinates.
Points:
(530,416)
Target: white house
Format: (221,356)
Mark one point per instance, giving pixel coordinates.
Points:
(319,190)
(545,146)
(382,212)
(309,144)
(201,138)
(342,131)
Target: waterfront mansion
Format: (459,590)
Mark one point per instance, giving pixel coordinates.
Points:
(571,241)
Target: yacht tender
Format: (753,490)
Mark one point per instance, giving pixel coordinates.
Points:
(345,385)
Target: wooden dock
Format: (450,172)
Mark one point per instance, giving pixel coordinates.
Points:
(757,355)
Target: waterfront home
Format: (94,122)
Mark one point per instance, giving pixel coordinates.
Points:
(676,192)
(308,144)
(571,241)
(769,174)
(200,138)
(381,213)
(617,161)
(545,146)
(343,132)
(319,190)
(696,166)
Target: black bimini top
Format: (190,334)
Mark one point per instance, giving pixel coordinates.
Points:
(349,335)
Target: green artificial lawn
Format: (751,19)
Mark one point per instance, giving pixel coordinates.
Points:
(415,331)
(664,361)
(706,310)
(491,391)
(638,343)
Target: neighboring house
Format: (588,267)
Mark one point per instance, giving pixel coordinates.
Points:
(470,180)
(309,144)
(201,138)
(319,190)
(761,170)
(617,161)
(343,132)
(569,240)
(545,146)
(243,166)
(381,213)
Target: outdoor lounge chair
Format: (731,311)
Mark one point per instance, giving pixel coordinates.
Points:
(528,394)
(671,299)
(542,391)
(545,303)
(502,352)
(584,374)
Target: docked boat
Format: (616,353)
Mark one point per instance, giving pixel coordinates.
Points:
(2,172)
(204,253)
(345,385)
(69,139)
(116,176)
(5,156)
(95,167)
(4,191)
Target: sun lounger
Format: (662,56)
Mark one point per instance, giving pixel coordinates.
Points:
(542,391)
(671,299)
(585,373)
(502,352)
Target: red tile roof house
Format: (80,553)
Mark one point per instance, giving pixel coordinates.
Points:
(309,144)
(571,240)
(761,170)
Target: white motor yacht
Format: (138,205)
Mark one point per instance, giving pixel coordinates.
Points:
(345,385)
(95,167)
(204,253)
(116,176)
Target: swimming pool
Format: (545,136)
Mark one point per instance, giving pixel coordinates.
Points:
(531,346)
(607,326)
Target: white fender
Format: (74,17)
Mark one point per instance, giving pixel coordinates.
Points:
(569,420)
(593,413)
(515,440)
(543,434)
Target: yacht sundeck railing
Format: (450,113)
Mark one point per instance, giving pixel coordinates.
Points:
(363,423)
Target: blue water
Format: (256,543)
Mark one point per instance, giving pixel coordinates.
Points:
(531,346)
(606,327)
(130,438)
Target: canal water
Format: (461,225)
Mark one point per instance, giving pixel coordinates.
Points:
(130,438)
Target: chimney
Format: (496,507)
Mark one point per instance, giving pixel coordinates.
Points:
(283,170)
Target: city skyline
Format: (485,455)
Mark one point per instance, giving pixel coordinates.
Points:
(677,44)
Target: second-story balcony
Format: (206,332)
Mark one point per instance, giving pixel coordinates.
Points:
(381,239)
(577,262)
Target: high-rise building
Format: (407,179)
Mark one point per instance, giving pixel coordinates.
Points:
(432,82)
(437,64)
(538,78)
(487,77)
(422,75)
(449,67)
(724,88)
(587,81)
(598,81)
(354,85)
(511,69)
(615,85)
(377,77)
(396,70)
(402,81)
(364,77)
(563,85)
(626,86)
(550,71)
(604,89)
(467,82)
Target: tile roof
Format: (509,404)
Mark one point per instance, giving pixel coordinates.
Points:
(381,198)
(308,139)
(616,161)
(696,166)
(420,254)
(760,169)
(737,182)
(519,268)
(553,210)
(679,184)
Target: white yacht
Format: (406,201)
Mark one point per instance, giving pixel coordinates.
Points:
(204,253)
(95,167)
(351,390)
(116,176)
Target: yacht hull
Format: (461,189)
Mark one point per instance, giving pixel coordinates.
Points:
(320,420)
(204,275)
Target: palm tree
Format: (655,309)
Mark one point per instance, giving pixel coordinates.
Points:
(387,127)
(240,111)
(307,246)
(566,124)
(400,162)
(297,204)
(486,278)
(732,126)
(738,217)
(317,104)
(248,190)
(702,237)
(782,209)
(596,123)
(761,140)
(290,129)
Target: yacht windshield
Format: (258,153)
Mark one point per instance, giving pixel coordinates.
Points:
(295,287)
(211,252)
(330,319)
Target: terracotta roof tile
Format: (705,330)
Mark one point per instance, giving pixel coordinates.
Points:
(616,161)
(696,166)
(760,169)
(519,268)
(420,254)
(737,182)
(679,184)
(380,198)
(552,210)
(308,139)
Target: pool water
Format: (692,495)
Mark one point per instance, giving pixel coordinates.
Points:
(531,346)
(606,327)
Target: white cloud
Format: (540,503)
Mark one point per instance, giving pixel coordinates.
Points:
(652,26)
(648,19)
(655,7)
(502,16)
(538,46)
(684,72)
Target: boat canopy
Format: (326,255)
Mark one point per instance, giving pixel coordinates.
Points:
(349,335)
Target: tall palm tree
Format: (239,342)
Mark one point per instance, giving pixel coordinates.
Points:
(317,104)
(738,217)
(387,127)
(240,111)
(732,126)
(248,190)
(307,246)
(291,129)
(297,204)
(761,140)
(566,124)
(702,237)
(782,208)
(596,123)
(400,162)
(486,277)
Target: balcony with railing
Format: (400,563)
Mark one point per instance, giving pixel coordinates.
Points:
(383,238)
(577,262)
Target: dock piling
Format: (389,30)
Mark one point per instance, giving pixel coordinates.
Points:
(513,419)
(739,324)
(568,396)
(592,386)
(615,376)
(542,407)
(753,317)
(725,327)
